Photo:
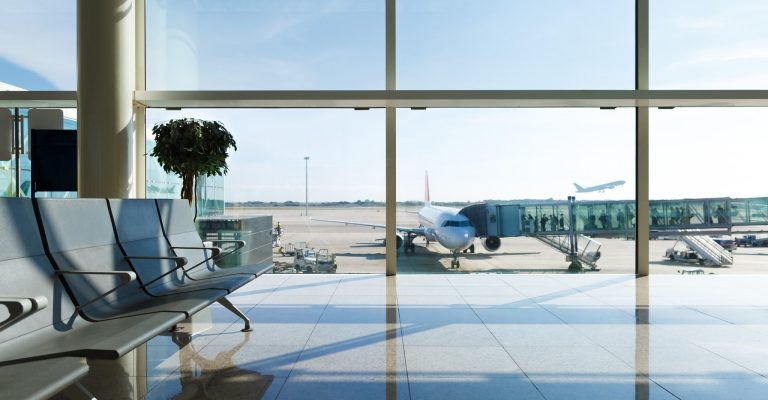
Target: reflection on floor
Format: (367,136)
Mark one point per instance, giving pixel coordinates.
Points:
(463,337)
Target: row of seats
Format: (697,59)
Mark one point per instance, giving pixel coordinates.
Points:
(96,278)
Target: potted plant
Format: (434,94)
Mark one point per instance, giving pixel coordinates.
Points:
(190,148)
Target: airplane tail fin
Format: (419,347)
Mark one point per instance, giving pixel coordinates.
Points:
(578,188)
(427,200)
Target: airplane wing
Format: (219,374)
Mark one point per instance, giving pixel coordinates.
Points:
(416,230)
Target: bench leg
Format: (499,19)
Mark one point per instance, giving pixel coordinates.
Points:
(231,307)
(77,392)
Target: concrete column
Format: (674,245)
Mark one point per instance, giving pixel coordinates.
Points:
(105,82)
(391,140)
(139,111)
(642,169)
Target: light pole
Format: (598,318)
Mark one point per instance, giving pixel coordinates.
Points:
(306,185)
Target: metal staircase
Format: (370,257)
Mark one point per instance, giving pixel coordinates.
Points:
(588,251)
(709,250)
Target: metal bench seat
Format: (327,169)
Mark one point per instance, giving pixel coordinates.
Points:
(80,240)
(182,236)
(40,379)
(41,322)
(144,243)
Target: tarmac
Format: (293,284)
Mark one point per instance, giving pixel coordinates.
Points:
(360,249)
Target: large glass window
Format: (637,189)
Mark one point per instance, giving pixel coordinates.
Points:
(269,44)
(509,173)
(708,44)
(342,179)
(707,197)
(500,44)
(8,163)
(39,45)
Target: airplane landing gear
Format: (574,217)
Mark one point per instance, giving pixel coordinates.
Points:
(409,245)
(455,261)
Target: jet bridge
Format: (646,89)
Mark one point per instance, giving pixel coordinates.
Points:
(510,220)
(559,222)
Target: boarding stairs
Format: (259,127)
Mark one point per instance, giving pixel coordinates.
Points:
(588,251)
(708,249)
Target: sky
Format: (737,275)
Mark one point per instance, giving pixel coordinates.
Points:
(471,154)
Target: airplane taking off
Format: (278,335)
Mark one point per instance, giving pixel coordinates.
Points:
(598,188)
(445,225)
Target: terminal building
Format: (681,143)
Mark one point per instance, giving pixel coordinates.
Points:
(112,291)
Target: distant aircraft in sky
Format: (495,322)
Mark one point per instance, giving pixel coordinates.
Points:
(598,188)
(444,225)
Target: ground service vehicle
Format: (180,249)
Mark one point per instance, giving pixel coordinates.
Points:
(311,261)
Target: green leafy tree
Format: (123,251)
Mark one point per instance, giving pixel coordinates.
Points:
(190,148)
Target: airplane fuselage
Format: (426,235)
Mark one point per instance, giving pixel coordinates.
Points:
(598,188)
(446,226)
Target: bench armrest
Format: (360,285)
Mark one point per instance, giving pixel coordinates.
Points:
(126,277)
(180,261)
(240,243)
(21,307)
(216,250)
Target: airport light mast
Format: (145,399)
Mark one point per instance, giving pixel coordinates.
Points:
(306,185)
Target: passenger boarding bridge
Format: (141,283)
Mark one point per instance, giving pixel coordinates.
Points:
(562,224)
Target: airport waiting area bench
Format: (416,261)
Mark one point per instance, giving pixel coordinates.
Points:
(96,278)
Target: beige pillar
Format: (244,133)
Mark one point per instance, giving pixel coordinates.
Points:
(105,84)
(391,147)
(642,169)
(139,111)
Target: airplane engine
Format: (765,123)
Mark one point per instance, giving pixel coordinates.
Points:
(491,243)
(400,240)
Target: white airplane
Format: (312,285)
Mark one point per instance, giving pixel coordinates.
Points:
(444,225)
(601,188)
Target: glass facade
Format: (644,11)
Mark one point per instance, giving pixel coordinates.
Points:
(501,44)
(515,166)
(709,44)
(265,45)
(8,167)
(39,45)
(342,180)
(524,164)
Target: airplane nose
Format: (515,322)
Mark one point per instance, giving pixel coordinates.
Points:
(457,239)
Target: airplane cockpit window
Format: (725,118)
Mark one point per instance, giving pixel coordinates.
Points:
(455,223)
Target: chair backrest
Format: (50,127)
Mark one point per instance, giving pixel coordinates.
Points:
(180,230)
(80,237)
(139,233)
(26,272)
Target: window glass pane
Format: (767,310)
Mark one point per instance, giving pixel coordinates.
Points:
(708,44)
(505,176)
(500,44)
(266,44)
(39,45)
(8,166)
(343,179)
(705,171)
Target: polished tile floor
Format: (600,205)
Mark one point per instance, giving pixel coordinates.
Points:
(467,337)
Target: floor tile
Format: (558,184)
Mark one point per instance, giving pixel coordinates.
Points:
(460,388)
(336,387)
(460,362)
(590,386)
(713,388)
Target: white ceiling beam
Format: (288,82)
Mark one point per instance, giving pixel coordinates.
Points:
(409,98)
(453,98)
